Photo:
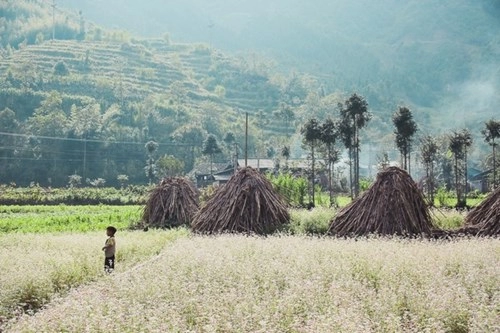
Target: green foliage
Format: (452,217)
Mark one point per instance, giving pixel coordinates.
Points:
(354,116)
(310,222)
(364,184)
(155,87)
(448,219)
(292,189)
(211,148)
(405,129)
(74,180)
(428,154)
(61,68)
(63,218)
(169,166)
(98,182)
(122,179)
(37,195)
(459,142)
(312,135)
(206,193)
(442,196)
(491,132)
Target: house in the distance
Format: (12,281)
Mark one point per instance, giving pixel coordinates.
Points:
(203,177)
(221,172)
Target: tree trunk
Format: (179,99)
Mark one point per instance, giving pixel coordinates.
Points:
(405,152)
(356,160)
(84,167)
(351,166)
(494,167)
(312,172)
(330,174)
(428,186)
(465,179)
(409,160)
(457,185)
(432,183)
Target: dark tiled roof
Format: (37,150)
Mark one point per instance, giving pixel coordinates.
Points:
(204,168)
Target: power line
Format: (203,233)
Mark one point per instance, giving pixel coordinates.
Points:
(60,159)
(169,144)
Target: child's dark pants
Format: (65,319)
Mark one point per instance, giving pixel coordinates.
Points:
(109,264)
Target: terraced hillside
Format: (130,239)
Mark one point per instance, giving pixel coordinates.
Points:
(112,71)
(147,89)
(85,100)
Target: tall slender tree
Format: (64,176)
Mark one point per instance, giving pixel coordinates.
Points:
(311,132)
(491,132)
(210,148)
(428,153)
(285,152)
(329,134)
(459,142)
(150,168)
(405,129)
(354,116)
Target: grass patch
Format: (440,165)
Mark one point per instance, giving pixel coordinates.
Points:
(310,222)
(448,219)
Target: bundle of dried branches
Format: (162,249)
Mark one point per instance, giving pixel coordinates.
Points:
(484,220)
(246,204)
(393,205)
(173,202)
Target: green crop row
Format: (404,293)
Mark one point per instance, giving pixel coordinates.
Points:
(36,195)
(62,218)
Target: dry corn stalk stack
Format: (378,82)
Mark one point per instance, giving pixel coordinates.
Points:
(173,202)
(393,205)
(484,220)
(246,204)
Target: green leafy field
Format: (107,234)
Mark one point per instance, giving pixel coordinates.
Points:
(62,218)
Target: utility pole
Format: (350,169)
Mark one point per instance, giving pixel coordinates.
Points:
(84,171)
(53,19)
(235,156)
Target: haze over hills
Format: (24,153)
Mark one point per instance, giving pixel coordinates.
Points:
(429,54)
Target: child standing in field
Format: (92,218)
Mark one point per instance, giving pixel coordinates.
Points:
(109,250)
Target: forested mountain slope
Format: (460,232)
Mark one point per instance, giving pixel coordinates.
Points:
(418,52)
(102,94)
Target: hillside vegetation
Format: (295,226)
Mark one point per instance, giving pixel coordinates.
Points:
(104,94)
(80,99)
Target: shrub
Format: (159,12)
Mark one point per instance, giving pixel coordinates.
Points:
(61,69)
(310,222)
(74,180)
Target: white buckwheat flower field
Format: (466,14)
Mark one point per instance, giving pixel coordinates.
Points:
(253,284)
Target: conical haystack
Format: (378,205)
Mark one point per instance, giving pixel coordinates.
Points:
(484,220)
(173,202)
(246,204)
(393,205)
